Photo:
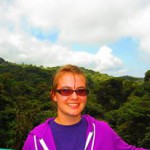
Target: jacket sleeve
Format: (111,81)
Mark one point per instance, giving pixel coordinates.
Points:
(120,144)
(32,143)
(28,144)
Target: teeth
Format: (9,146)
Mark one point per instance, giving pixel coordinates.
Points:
(73,104)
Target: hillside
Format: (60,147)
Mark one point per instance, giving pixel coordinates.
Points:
(124,102)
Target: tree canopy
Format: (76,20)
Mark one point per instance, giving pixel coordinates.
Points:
(124,102)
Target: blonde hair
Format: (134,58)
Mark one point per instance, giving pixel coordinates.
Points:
(67,69)
(75,70)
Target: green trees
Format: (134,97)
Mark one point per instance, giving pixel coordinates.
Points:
(147,76)
(25,102)
(112,93)
(132,118)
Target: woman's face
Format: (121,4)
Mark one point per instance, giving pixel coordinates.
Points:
(73,104)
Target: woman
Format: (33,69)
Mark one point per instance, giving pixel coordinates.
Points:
(70,130)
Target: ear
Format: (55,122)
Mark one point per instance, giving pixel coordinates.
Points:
(53,96)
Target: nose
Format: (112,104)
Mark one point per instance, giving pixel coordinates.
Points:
(74,95)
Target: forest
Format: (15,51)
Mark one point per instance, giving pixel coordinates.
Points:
(124,102)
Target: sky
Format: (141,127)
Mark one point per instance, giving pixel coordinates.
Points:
(108,36)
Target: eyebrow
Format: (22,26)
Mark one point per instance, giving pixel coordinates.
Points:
(68,87)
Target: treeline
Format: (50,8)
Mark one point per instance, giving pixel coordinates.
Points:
(124,102)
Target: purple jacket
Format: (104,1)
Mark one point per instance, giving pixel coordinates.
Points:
(100,136)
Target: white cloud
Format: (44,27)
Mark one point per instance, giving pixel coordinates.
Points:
(25,49)
(78,21)
(138,27)
(104,60)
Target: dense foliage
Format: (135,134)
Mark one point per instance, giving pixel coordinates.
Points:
(124,102)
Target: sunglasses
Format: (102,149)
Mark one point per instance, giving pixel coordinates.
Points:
(68,92)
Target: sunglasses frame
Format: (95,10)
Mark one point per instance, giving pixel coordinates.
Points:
(70,92)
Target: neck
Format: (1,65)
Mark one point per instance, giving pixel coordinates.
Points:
(67,120)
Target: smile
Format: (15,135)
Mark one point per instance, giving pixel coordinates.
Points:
(73,105)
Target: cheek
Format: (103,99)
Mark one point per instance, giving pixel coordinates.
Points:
(61,99)
(84,99)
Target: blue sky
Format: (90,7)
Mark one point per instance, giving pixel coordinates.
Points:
(107,36)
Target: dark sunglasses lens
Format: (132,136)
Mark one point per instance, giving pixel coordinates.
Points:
(82,92)
(66,92)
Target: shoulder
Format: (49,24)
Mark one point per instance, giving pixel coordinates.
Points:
(100,124)
(40,129)
(36,133)
(97,122)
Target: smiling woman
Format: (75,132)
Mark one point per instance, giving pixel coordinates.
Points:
(70,130)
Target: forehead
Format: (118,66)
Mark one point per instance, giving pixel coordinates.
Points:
(70,79)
